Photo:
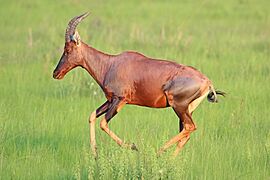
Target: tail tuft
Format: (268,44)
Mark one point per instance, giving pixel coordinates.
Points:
(212,95)
(221,93)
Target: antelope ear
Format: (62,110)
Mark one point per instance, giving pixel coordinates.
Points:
(76,38)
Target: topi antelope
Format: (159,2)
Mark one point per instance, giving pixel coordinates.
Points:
(132,78)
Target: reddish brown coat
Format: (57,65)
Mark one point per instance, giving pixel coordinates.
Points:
(132,78)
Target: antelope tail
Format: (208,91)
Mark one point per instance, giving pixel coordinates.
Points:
(212,95)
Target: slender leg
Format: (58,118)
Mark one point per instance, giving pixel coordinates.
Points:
(181,144)
(115,107)
(173,140)
(101,110)
(189,127)
(181,123)
(93,144)
(192,106)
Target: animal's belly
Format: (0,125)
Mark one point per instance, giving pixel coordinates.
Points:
(155,100)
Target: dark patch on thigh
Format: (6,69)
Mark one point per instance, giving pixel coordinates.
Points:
(181,91)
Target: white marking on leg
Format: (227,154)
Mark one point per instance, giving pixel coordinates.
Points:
(194,104)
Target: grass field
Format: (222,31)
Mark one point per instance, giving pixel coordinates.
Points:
(44,131)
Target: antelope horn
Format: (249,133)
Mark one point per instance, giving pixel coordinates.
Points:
(70,31)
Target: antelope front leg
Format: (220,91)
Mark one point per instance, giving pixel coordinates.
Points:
(115,107)
(93,144)
(92,119)
(104,127)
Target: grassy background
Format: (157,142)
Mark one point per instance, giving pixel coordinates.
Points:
(44,130)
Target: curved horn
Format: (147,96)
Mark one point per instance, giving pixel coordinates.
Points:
(73,24)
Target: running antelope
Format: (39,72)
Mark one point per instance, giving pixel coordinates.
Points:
(132,78)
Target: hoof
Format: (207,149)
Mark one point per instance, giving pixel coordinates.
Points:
(133,147)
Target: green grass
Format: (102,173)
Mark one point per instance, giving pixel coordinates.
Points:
(44,131)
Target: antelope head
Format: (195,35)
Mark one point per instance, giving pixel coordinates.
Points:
(72,55)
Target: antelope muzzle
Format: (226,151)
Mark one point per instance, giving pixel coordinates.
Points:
(62,68)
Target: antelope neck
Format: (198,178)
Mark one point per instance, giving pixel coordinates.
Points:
(96,63)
